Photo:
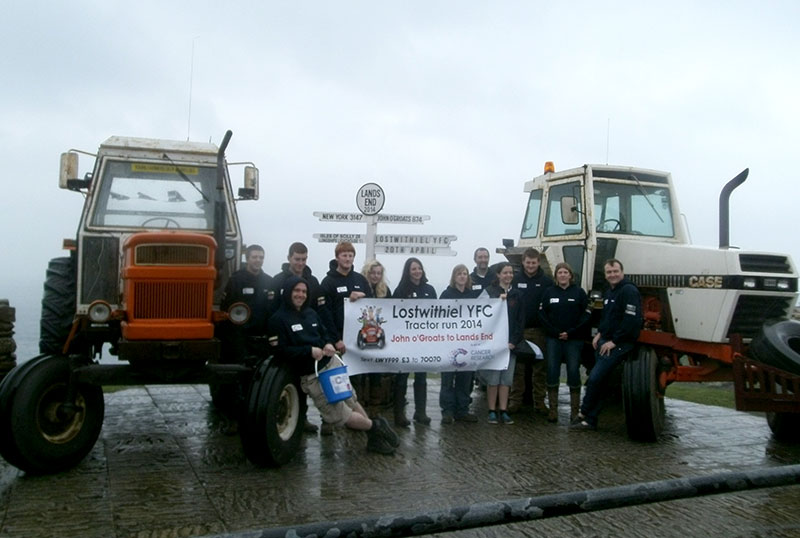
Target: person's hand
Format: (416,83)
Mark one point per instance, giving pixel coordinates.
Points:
(316,353)
(503,296)
(607,346)
(563,336)
(340,347)
(511,346)
(356,295)
(329,350)
(595,340)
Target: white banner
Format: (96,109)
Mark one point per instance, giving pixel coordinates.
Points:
(417,335)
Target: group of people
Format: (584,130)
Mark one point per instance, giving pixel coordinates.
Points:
(304,321)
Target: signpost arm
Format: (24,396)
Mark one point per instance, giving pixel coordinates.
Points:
(372,230)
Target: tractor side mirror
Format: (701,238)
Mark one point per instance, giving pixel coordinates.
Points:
(68,169)
(569,210)
(250,190)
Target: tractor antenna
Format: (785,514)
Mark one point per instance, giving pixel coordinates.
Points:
(191,80)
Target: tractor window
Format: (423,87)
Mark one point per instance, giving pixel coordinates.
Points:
(554,224)
(530,227)
(634,209)
(148,195)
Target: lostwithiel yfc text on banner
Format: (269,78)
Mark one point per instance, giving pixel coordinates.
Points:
(416,335)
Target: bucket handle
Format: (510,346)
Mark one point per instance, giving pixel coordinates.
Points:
(316,363)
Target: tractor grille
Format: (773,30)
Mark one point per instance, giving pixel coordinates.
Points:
(752,310)
(764,263)
(171,254)
(170,300)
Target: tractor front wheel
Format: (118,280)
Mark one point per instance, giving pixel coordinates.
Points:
(52,433)
(272,427)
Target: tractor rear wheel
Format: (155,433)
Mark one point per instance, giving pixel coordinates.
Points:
(643,396)
(784,426)
(58,305)
(272,427)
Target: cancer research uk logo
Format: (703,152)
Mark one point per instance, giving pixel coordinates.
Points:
(454,357)
(371,333)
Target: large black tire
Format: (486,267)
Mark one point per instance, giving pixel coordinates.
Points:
(8,388)
(58,305)
(778,345)
(784,426)
(48,438)
(642,396)
(272,427)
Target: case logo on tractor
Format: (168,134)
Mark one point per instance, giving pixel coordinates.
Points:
(705,281)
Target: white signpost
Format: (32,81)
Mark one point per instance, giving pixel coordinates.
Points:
(370,200)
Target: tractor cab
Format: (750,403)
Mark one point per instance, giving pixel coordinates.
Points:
(581,215)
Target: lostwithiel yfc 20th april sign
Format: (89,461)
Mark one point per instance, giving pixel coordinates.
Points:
(416,335)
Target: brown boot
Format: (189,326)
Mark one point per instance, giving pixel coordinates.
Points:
(552,398)
(539,387)
(574,402)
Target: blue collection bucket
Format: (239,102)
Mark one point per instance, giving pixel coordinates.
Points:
(335,382)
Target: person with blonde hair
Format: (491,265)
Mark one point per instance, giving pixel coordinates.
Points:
(455,395)
(376,388)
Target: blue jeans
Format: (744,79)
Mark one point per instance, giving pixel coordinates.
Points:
(454,398)
(598,379)
(570,352)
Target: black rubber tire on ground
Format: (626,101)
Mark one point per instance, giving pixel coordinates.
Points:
(47,441)
(8,387)
(58,305)
(784,426)
(641,396)
(778,345)
(272,427)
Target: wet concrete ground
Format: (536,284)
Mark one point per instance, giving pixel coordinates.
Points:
(163,468)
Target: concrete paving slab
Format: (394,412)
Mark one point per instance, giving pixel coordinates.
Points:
(163,467)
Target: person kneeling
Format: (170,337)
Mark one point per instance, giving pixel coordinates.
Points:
(300,337)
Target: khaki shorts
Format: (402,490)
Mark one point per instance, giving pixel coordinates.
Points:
(337,413)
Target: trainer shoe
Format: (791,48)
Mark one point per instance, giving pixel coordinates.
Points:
(582,424)
(308,427)
(447,418)
(377,443)
(505,418)
(385,431)
(469,417)
(492,417)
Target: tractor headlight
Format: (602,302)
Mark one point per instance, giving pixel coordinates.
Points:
(99,312)
(239,313)
(783,285)
(749,283)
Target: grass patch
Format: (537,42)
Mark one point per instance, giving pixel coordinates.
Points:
(108,389)
(719,394)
